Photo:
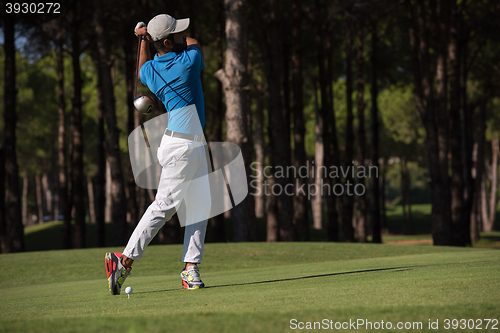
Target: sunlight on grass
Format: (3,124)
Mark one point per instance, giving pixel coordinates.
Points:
(268,285)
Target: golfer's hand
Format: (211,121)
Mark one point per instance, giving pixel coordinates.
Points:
(142,30)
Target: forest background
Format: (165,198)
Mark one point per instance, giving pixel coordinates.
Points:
(410,88)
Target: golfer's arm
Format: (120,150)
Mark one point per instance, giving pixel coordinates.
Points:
(144,55)
(191,42)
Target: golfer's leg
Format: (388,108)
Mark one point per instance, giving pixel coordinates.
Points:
(194,240)
(168,196)
(198,201)
(153,219)
(176,172)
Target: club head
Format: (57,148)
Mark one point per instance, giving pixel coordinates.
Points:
(144,104)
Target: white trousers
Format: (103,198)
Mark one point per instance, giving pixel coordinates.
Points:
(182,161)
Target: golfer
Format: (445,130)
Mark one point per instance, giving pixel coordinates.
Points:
(174,77)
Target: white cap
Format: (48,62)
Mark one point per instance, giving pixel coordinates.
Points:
(163,25)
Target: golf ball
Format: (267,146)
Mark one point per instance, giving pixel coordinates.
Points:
(128,290)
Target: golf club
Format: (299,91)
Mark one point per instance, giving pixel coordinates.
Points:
(143,104)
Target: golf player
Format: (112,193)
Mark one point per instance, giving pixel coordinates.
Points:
(174,77)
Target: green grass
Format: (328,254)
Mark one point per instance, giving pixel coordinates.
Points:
(489,240)
(252,287)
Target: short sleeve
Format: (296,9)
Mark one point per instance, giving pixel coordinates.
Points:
(145,72)
(195,58)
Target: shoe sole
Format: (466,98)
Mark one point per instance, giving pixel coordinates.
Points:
(185,285)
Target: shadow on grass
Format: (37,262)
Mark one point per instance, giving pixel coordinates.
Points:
(396,269)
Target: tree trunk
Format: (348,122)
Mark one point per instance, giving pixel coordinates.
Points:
(101,180)
(143,202)
(113,133)
(91,199)
(383,216)
(479,174)
(272,225)
(467,143)
(4,237)
(348,202)
(354,215)
(170,232)
(64,203)
(259,146)
(474,222)
(285,28)
(71,208)
(317,198)
(441,30)
(458,224)
(436,119)
(278,123)
(375,208)
(13,215)
(300,214)
(329,134)
(39,198)
(77,135)
(411,228)
(57,210)
(219,111)
(322,146)
(47,191)
(109,201)
(484,203)
(435,123)
(362,219)
(405,187)
(25,200)
(55,191)
(234,79)
(217,222)
(493,186)
(403,192)
(151,194)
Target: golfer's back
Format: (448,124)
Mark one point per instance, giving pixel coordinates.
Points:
(175,79)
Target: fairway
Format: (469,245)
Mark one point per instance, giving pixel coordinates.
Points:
(252,287)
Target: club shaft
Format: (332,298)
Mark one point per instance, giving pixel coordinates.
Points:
(137,66)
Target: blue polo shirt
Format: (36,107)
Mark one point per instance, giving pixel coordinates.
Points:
(175,79)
